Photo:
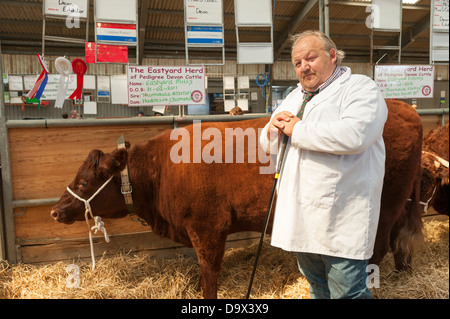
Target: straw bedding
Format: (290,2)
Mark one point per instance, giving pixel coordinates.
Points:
(130,276)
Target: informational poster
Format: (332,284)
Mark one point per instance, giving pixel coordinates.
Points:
(204,12)
(165,85)
(405,81)
(51,89)
(65,8)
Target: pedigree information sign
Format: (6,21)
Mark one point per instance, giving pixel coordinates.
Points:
(405,81)
(165,85)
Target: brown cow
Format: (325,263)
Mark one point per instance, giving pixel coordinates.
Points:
(435,188)
(199,204)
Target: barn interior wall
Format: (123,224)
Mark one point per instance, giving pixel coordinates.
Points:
(282,72)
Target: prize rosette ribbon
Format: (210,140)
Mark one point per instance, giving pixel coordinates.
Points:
(64,68)
(41,82)
(79,67)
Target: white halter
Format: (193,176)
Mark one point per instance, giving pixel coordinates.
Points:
(99,225)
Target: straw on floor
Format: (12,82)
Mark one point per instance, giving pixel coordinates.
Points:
(277,276)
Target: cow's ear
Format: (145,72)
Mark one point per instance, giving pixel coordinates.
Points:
(113,162)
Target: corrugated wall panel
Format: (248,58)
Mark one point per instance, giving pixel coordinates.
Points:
(282,70)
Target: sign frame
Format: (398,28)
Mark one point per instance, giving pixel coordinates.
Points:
(117,21)
(204,19)
(257,14)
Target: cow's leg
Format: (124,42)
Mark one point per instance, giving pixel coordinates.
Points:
(209,245)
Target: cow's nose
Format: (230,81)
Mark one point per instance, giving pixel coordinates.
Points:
(54,214)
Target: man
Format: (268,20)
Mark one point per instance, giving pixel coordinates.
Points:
(329,192)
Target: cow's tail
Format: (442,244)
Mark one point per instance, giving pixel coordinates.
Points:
(409,235)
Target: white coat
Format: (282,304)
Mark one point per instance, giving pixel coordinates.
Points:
(329,190)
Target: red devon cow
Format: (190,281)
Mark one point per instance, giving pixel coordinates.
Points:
(435,186)
(196,185)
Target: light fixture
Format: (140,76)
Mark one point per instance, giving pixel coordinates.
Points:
(410,1)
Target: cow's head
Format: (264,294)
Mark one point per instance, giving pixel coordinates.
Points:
(93,173)
(435,173)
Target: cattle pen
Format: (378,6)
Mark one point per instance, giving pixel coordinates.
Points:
(177,63)
(40,157)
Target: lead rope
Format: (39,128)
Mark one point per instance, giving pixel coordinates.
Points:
(99,224)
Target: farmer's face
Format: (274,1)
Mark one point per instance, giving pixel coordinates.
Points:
(313,65)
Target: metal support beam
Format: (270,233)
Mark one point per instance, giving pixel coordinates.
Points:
(142,23)
(292,26)
(7,227)
(2,124)
(411,34)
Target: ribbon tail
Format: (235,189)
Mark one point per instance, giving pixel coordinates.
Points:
(62,90)
(36,86)
(42,87)
(77,93)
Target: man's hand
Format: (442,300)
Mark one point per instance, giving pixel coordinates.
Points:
(282,122)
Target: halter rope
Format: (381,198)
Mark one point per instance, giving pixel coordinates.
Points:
(99,224)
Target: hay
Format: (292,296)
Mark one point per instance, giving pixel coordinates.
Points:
(128,276)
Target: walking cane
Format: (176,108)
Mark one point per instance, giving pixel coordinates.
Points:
(266,222)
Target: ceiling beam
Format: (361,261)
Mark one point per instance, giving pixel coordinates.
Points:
(410,36)
(290,29)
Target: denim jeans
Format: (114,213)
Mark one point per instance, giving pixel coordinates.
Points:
(334,277)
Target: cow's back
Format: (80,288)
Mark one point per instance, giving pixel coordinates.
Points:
(437,141)
(224,192)
(402,136)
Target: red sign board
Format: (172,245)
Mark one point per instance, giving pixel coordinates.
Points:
(106,53)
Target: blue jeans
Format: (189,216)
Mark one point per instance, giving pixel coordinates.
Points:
(334,277)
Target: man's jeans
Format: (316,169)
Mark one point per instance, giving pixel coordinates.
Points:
(334,277)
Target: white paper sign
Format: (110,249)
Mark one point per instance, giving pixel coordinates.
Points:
(90,107)
(76,8)
(15,83)
(405,81)
(103,85)
(165,85)
(119,89)
(204,12)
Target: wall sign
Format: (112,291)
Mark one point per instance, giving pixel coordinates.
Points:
(405,81)
(165,85)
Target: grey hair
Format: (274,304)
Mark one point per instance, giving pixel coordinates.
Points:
(328,44)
